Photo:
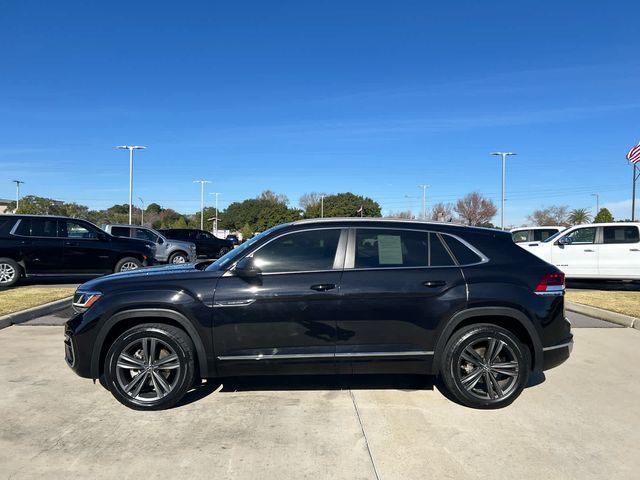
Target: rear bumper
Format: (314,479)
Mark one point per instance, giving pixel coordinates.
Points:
(555,355)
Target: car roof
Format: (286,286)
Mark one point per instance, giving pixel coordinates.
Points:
(537,227)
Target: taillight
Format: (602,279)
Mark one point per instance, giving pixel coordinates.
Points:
(551,284)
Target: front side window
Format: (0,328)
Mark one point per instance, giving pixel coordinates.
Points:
(583,236)
(78,230)
(621,234)
(144,234)
(542,235)
(299,252)
(121,231)
(521,236)
(399,248)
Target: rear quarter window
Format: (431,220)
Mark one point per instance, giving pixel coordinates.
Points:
(463,254)
(6,224)
(621,234)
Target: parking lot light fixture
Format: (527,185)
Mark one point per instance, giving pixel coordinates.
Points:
(424,200)
(131,148)
(215,227)
(201,182)
(18,183)
(504,156)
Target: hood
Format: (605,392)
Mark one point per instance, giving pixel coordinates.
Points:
(148,274)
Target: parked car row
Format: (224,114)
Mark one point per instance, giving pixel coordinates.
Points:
(37,245)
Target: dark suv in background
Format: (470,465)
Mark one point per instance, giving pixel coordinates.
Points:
(33,245)
(207,244)
(324,297)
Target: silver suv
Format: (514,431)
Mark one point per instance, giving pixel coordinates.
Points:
(167,250)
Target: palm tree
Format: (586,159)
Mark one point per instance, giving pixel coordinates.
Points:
(579,216)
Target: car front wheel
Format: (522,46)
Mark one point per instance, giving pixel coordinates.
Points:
(150,367)
(9,272)
(485,366)
(178,257)
(126,264)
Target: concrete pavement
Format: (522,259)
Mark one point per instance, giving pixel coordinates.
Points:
(581,422)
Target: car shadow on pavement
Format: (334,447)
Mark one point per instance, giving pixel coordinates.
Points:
(324,382)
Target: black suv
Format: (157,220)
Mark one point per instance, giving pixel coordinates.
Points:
(324,297)
(207,244)
(33,245)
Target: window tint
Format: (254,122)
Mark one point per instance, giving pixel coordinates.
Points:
(463,254)
(521,236)
(77,230)
(204,236)
(303,251)
(6,224)
(399,248)
(621,234)
(144,234)
(542,235)
(583,235)
(37,227)
(121,231)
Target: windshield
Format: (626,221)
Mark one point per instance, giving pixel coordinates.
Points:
(226,260)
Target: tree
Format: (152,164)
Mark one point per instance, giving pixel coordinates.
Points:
(405,214)
(475,209)
(578,216)
(246,232)
(259,214)
(553,215)
(153,208)
(273,197)
(603,216)
(310,199)
(345,205)
(442,212)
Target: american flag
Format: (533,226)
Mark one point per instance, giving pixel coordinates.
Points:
(634,154)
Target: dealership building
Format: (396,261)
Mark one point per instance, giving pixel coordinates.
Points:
(4,205)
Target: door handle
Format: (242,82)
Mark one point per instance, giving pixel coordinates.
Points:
(589,250)
(634,249)
(434,283)
(71,243)
(25,242)
(323,287)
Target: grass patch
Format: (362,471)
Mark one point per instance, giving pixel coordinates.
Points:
(627,303)
(21,298)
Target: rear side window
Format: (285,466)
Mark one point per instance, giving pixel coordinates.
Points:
(542,235)
(144,234)
(37,227)
(121,231)
(6,224)
(298,252)
(621,234)
(399,248)
(463,254)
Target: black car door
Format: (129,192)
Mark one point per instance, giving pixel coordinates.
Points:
(396,287)
(40,247)
(86,249)
(284,320)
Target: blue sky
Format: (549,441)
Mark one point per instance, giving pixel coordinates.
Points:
(295,96)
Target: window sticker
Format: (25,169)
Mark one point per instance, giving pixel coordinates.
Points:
(389,250)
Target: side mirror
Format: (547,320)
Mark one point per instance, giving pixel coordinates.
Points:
(566,240)
(246,268)
(102,236)
(160,241)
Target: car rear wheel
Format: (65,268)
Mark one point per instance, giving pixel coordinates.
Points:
(150,367)
(485,366)
(178,257)
(127,264)
(9,272)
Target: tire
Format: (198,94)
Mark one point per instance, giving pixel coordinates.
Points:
(475,381)
(10,272)
(126,264)
(178,257)
(158,383)
(223,251)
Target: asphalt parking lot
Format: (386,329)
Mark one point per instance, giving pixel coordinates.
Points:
(581,421)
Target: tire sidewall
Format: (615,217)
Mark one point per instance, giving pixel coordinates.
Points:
(460,341)
(186,370)
(122,261)
(178,254)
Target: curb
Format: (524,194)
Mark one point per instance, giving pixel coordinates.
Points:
(606,315)
(34,312)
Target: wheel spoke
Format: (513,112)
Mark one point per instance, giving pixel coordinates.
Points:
(506,368)
(491,348)
(489,385)
(136,383)
(169,362)
(496,385)
(161,385)
(471,356)
(497,350)
(472,379)
(127,361)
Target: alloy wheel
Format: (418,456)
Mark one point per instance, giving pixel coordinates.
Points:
(7,273)
(488,369)
(148,369)
(178,259)
(127,266)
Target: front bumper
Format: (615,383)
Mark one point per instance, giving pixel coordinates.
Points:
(555,355)
(77,350)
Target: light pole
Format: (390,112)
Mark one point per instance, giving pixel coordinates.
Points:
(504,156)
(215,226)
(141,211)
(424,200)
(321,206)
(18,183)
(131,148)
(597,195)
(201,182)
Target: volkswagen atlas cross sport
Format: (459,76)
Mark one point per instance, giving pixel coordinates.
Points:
(329,296)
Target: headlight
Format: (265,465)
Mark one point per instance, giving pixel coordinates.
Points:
(84,300)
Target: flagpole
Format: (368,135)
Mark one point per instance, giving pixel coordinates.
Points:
(633,194)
